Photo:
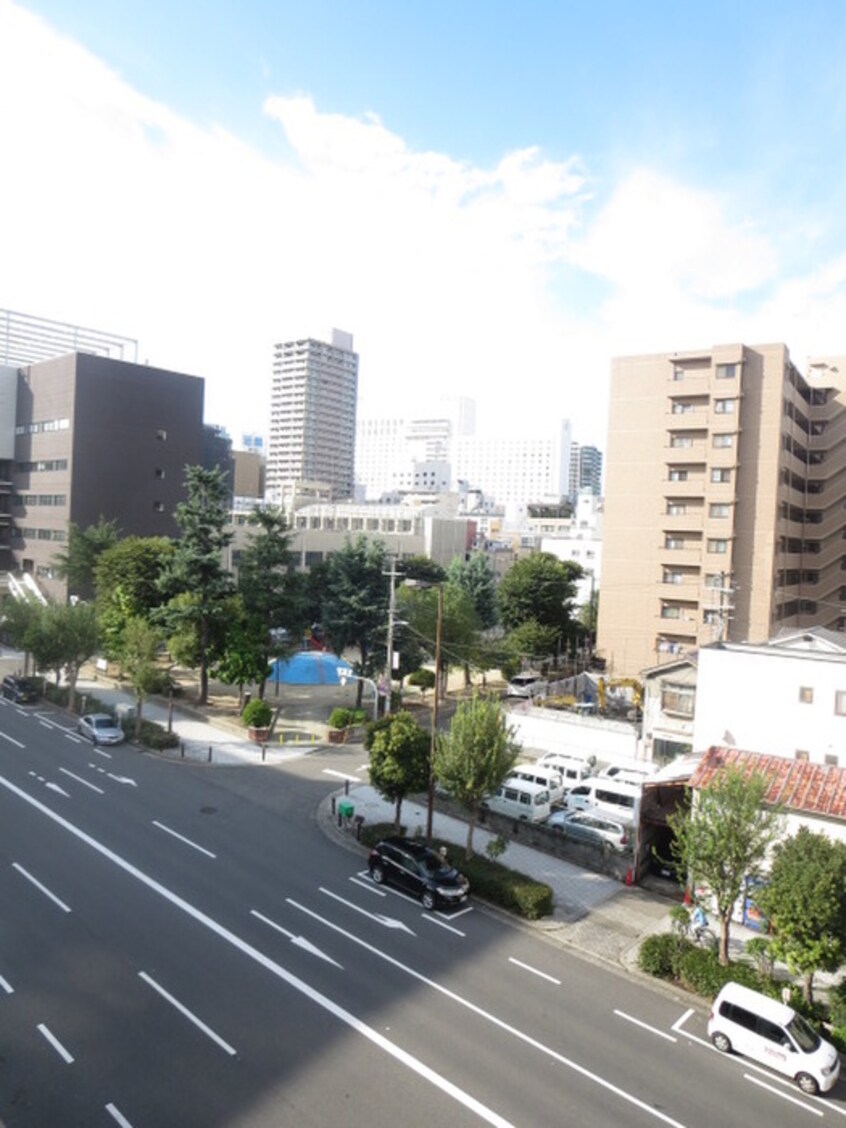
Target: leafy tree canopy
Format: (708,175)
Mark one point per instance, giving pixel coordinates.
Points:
(805,899)
(476,577)
(77,564)
(399,759)
(355,601)
(475,756)
(127,584)
(542,588)
(724,838)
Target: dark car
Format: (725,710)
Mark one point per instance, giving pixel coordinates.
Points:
(23,691)
(417,870)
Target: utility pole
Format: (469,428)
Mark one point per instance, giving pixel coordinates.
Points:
(430,805)
(389,677)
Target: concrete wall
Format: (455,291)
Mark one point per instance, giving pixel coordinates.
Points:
(549,730)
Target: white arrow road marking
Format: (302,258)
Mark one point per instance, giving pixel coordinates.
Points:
(300,941)
(122,779)
(389,922)
(55,787)
(84,782)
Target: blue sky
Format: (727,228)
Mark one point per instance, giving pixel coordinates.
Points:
(494,198)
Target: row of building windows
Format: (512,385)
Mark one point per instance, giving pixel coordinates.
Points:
(681,509)
(22,532)
(39,499)
(722,371)
(719,474)
(713,544)
(43,426)
(49,464)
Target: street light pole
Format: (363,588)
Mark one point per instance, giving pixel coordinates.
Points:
(391,611)
(430,806)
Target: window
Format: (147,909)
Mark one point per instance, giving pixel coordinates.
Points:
(673,542)
(161,435)
(676,509)
(801,754)
(711,618)
(726,371)
(724,406)
(840,702)
(714,579)
(806,694)
(668,611)
(681,441)
(671,577)
(678,475)
(159,473)
(720,474)
(722,440)
(717,544)
(678,373)
(832,759)
(678,699)
(682,408)
(158,507)
(718,509)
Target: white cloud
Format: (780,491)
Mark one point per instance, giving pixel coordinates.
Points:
(511,284)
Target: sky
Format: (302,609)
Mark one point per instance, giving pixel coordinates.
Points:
(494,198)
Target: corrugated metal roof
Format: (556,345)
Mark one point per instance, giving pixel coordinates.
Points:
(816,789)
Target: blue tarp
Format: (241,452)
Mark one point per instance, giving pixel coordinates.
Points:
(309,667)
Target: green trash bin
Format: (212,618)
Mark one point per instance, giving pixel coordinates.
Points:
(346,809)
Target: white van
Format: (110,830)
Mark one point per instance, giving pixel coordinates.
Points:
(528,684)
(631,771)
(544,774)
(520,800)
(773,1034)
(621,798)
(571,771)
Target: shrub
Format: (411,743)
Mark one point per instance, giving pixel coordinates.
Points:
(422,678)
(257,714)
(659,954)
(341,718)
(700,970)
(157,737)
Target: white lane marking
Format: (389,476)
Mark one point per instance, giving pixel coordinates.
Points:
(198,1022)
(433,918)
(389,922)
(6,985)
(367,883)
(38,885)
(679,1023)
(84,782)
(341,775)
(645,1026)
(122,779)
(101,752)
(299,941)
(182,838)
(55,787)
(114,1112)
(784,1096)
(520,1035)
(338,1012)
(534,971)
(55,1043)
(12,740)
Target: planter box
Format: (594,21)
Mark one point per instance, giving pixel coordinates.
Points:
(258,735)
(337,736)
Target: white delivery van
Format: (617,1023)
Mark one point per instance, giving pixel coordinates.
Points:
(621,798)
(520,800)
(631,771)
(571,771)
(773,1034)
(544,774)
(528,684)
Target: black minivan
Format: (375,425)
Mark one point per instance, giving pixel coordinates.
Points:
(22,691)
(417,870)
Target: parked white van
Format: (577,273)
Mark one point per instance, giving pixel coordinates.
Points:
(528,684)
(628,771)
(571,771)
(544,774)
(621,798)
(520,800)
(773,1034)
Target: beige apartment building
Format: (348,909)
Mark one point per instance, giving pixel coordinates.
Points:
(725,501)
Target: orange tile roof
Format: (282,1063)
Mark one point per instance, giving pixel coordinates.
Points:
(816,789)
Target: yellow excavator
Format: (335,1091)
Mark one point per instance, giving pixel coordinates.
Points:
(603,685)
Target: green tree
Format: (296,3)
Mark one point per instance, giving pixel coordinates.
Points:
(126,579)
(805,899)
(62,637)
(272,593)
(542,588)
(459,624)
(399,759)
(422,570)
(724,838)
(355,602)
(19,619)
(475,756)
(196,566)
(139,659)
(530,640)
(77,564)
(476,577)
(243,659)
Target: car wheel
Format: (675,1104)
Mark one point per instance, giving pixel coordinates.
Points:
(378,874)
(428,900)
(807,1084)
(721,1042)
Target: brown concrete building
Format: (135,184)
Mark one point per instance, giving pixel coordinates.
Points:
(724,501)
(91,436)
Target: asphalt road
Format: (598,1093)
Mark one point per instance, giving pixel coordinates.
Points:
(180,945)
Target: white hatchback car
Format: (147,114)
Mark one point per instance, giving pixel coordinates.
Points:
(101,729)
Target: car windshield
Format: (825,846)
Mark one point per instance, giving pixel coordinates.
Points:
(432,866)
(805,1037)
(102,722)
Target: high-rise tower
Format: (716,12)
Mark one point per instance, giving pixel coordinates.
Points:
(312,414)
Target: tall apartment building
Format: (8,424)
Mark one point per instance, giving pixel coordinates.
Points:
(85,436)
(585,470)
(724,501)
(312,414)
